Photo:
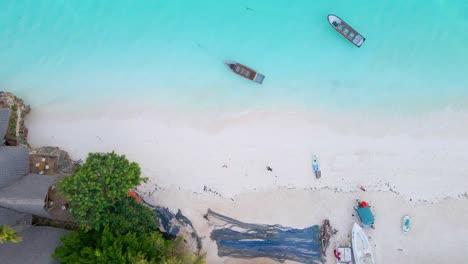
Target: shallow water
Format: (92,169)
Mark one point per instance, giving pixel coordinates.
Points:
(170,53)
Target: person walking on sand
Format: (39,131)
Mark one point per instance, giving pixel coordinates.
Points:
(315,167)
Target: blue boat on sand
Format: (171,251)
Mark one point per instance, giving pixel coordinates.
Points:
(365,214)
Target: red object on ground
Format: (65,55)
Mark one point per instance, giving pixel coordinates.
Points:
(364,204)
(134,195)
(337,254)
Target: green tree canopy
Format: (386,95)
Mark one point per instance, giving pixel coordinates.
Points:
(106,247)
(102,181)
(7,234)
(129,216)
(114,228)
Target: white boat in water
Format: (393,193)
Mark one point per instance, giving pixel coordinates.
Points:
(346,30)
(362,249)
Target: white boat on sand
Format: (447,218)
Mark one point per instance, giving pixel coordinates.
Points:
(343,254)
(362,249)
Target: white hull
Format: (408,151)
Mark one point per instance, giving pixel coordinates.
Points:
(346,30)
(333,18)
(345,255)
(362,249)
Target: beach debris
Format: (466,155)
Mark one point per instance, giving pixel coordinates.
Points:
(208,189)
(337,254)
(362,188)
(237,239)
(135,196)
(326,232)
(78,162)
(173,225)
(225,166)
(269,168)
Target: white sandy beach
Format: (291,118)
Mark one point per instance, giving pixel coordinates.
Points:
(415,166)
(438,234)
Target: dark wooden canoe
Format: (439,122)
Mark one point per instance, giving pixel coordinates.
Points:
(244,71)
(346,30)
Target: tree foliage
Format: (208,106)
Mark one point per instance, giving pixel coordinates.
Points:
(7,234)
(97,185)
(183,254)
(114,228)
(107,247)
(129,216)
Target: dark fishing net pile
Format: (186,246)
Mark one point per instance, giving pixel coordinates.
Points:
(243,240)
(173,225)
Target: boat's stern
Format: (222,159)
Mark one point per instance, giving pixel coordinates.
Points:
(359,40)
(259,78)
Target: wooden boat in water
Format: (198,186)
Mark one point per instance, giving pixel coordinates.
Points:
(244,71)
(346,30)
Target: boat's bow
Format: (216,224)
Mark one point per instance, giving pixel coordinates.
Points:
(334,20)
(229,64)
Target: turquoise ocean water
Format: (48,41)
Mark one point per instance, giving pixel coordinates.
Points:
(170,52)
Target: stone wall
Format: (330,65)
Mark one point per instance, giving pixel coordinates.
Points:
(17,132)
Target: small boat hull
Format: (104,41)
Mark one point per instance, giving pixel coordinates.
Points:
(346,30)
(343,255)
(244,71)
(362,249)
(365,215)
(406,224)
